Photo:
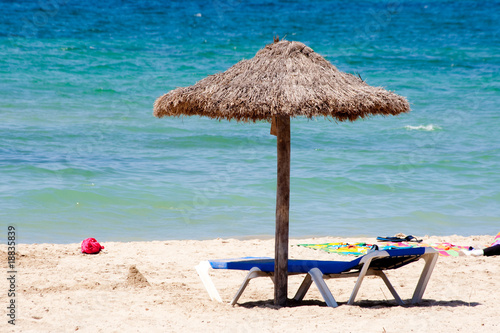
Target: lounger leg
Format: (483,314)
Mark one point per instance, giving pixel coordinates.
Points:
(202,270)
(391,288)
(304,287)
(361,276)
(430,262)
(317,277)
(253,273)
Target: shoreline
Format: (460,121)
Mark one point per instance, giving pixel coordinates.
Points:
(61,289)
(336,238)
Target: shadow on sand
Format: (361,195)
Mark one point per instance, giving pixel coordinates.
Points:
(364,304)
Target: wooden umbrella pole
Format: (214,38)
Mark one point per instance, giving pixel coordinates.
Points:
(282,210)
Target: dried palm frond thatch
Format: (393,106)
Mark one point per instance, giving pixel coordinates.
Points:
(284,78)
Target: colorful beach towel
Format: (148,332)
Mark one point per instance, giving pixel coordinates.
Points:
(357,249)
(444,249)
(497,240)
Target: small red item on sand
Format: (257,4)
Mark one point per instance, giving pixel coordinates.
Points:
(91,246)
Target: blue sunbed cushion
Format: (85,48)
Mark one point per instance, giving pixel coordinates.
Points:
(397,258)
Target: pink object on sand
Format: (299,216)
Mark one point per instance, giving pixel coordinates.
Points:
(90,245)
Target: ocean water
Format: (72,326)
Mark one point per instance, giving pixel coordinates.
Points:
(81,154)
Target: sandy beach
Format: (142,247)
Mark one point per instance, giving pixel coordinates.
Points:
(60,289)
(321,118)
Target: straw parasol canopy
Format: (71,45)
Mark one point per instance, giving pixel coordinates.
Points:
(285,79)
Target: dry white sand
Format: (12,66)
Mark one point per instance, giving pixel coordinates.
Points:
(60,289)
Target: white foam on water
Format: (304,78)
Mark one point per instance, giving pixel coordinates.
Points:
(430,127)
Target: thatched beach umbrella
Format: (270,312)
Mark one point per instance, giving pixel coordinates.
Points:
(285,79)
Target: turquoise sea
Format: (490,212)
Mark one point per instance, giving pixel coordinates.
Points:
(81,154)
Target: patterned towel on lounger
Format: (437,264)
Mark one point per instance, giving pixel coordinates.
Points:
(357,249)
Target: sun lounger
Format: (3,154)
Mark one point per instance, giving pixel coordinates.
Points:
(373,263)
